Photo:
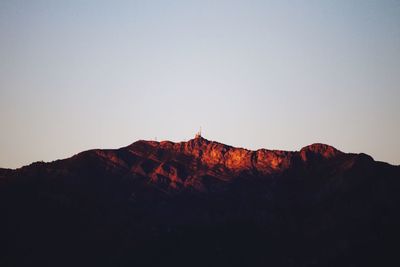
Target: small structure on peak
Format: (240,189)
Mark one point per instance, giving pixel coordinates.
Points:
(198,134)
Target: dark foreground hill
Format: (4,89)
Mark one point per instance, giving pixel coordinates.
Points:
(201,203)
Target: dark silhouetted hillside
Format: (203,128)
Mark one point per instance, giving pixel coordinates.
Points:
(201,203)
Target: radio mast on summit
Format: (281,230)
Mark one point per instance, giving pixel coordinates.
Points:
(198,134)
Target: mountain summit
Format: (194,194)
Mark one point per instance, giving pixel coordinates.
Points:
(175,166)
(201,203)
(187,164)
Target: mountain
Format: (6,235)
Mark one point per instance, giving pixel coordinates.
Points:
(201,203)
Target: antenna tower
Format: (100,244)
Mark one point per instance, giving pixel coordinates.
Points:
(198,134)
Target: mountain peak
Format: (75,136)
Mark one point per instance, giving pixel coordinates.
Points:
(199,139)
(318,150)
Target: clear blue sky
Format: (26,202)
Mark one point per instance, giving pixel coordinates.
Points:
(76,75)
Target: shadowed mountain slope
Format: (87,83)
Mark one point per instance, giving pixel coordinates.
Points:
(201,203)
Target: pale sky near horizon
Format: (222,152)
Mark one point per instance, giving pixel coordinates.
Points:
(76,75)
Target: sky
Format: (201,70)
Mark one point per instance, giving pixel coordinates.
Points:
(77,75)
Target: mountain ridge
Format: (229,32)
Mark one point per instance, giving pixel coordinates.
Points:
(183,164)
(321,149)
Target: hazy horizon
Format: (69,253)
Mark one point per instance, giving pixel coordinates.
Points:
(77,75)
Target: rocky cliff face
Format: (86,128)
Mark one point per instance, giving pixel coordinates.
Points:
(179,164)
(201,203)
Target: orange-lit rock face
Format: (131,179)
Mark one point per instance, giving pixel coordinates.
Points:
(268,161)
(209,153)
(213,154)
(182,164)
